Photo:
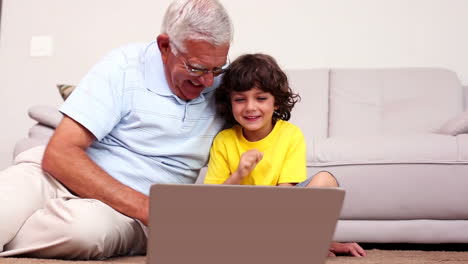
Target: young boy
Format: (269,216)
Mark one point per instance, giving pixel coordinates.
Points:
(262,148)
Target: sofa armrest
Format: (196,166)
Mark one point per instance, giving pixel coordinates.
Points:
(455,126)
(465,93)
(46,115)
(201,175)
(28,143)
(458,124)
(48,118)
(41,131)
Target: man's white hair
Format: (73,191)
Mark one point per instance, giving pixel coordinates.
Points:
(197,20)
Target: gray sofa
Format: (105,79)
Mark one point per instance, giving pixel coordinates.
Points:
(396,139)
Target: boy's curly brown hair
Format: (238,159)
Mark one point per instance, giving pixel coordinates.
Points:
(255,70)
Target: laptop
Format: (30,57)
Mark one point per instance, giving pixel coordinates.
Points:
(224,224)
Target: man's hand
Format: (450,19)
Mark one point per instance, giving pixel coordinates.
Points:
(351,249)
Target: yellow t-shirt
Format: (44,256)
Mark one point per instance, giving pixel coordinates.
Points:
(284,156)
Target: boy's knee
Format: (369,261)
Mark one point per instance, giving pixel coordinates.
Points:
(323,179)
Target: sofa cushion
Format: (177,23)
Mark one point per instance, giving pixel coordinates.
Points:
(392,101)
(311,113)
(386,149)
(402,191)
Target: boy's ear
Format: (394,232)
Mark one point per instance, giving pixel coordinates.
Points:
(164,47)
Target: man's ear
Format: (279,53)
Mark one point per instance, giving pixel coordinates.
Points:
(164,47)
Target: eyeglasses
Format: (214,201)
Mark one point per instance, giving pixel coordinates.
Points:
(197,71)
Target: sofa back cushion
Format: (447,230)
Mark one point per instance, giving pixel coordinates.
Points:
(392,101)
(311,113)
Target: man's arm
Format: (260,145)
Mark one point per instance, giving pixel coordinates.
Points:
(65,159)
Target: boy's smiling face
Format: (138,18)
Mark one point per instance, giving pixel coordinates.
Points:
(253,110)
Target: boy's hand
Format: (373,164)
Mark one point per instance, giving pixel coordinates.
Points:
(248,161)
(351,249)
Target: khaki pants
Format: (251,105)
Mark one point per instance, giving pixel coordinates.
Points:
(39,217)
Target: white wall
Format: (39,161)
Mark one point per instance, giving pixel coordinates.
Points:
(299,33)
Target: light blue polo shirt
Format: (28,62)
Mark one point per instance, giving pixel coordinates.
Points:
(145,134)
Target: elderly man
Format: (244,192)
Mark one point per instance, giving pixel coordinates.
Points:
(144,114)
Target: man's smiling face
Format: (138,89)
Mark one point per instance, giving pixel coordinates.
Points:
(200,55)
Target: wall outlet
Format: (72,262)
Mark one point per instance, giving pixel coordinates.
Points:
(41,46)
